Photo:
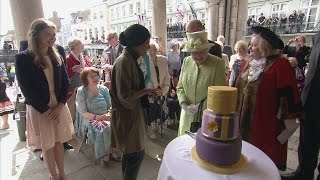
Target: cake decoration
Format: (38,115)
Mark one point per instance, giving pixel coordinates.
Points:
(213,126)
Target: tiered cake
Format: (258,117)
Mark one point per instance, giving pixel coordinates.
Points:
(218,141)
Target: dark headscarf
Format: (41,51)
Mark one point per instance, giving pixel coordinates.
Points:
(136,35)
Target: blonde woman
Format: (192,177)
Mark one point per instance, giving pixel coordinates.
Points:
(160,81)
(44,83)
(268,97)
(238,60)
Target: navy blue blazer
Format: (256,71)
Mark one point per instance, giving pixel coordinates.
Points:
(34,84)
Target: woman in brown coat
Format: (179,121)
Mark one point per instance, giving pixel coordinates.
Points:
(129,99)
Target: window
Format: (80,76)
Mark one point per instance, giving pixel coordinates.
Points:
(112,14)
(279,10)
(254,11)
(168,3)
(94,15)
(130,9)
(169,20)
(149,25)
(310,8)
(124,11)
(138,7)
(90,33)
(102,30)
(118,13)
(203,16)
(150,4)
(101,14)
(190,17)
(96,32)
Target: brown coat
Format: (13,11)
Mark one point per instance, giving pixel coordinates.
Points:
(128,115)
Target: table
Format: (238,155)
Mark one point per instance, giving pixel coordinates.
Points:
(178,165)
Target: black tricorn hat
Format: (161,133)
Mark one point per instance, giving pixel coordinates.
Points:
(269,36)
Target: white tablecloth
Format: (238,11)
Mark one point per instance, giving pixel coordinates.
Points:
(178,165)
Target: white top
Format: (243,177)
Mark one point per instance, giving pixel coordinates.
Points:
(234,57)
(177,164)
(163,74)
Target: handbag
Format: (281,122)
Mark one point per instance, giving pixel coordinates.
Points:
(19,107)
(196,124)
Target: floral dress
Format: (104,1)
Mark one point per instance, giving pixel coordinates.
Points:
(99,137)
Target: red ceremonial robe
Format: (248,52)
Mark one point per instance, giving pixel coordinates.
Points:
(259,102)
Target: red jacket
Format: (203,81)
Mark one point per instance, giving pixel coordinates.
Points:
(72,61)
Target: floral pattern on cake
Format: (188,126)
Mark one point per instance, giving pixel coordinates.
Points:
(213,126)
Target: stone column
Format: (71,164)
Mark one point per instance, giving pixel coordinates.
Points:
(23,13)
(241,20)
(159,23)
(234,22)
(213,19)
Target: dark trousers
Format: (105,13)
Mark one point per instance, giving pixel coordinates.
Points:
(154,112)
(308,150)
(174,108)
(131,164)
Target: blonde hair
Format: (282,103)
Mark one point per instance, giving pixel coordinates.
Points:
(154,44)
(265,47)
(241,45)
(37,26)
(72,43)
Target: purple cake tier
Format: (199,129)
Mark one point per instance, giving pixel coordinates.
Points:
(219,153)
(220,127)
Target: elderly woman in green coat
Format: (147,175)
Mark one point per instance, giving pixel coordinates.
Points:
(198,72)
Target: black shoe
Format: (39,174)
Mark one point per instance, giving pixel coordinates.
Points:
(290,176)
(41,156)
(67,145)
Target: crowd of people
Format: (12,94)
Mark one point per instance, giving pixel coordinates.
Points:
(294,23)
(138,89)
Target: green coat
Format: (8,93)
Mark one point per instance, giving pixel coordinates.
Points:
(194,82)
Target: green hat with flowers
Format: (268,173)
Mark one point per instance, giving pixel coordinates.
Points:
(197,41)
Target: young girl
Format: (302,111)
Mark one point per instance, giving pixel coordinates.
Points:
(6,106)
(43,80)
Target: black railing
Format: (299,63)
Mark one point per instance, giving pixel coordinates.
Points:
(290,28)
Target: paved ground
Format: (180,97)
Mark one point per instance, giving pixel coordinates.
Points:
(18,162)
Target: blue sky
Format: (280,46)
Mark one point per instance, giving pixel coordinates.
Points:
(63,7)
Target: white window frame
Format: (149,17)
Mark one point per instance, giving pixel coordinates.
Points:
(282,11)
(130,9)
(138,7)
(306,7)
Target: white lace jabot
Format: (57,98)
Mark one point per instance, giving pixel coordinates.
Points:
(256,68)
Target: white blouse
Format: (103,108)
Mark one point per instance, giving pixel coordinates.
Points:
(163,74)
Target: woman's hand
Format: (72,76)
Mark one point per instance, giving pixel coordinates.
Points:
(145,91)
(158,92)
(53,113)
(173,93)
(104,117)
